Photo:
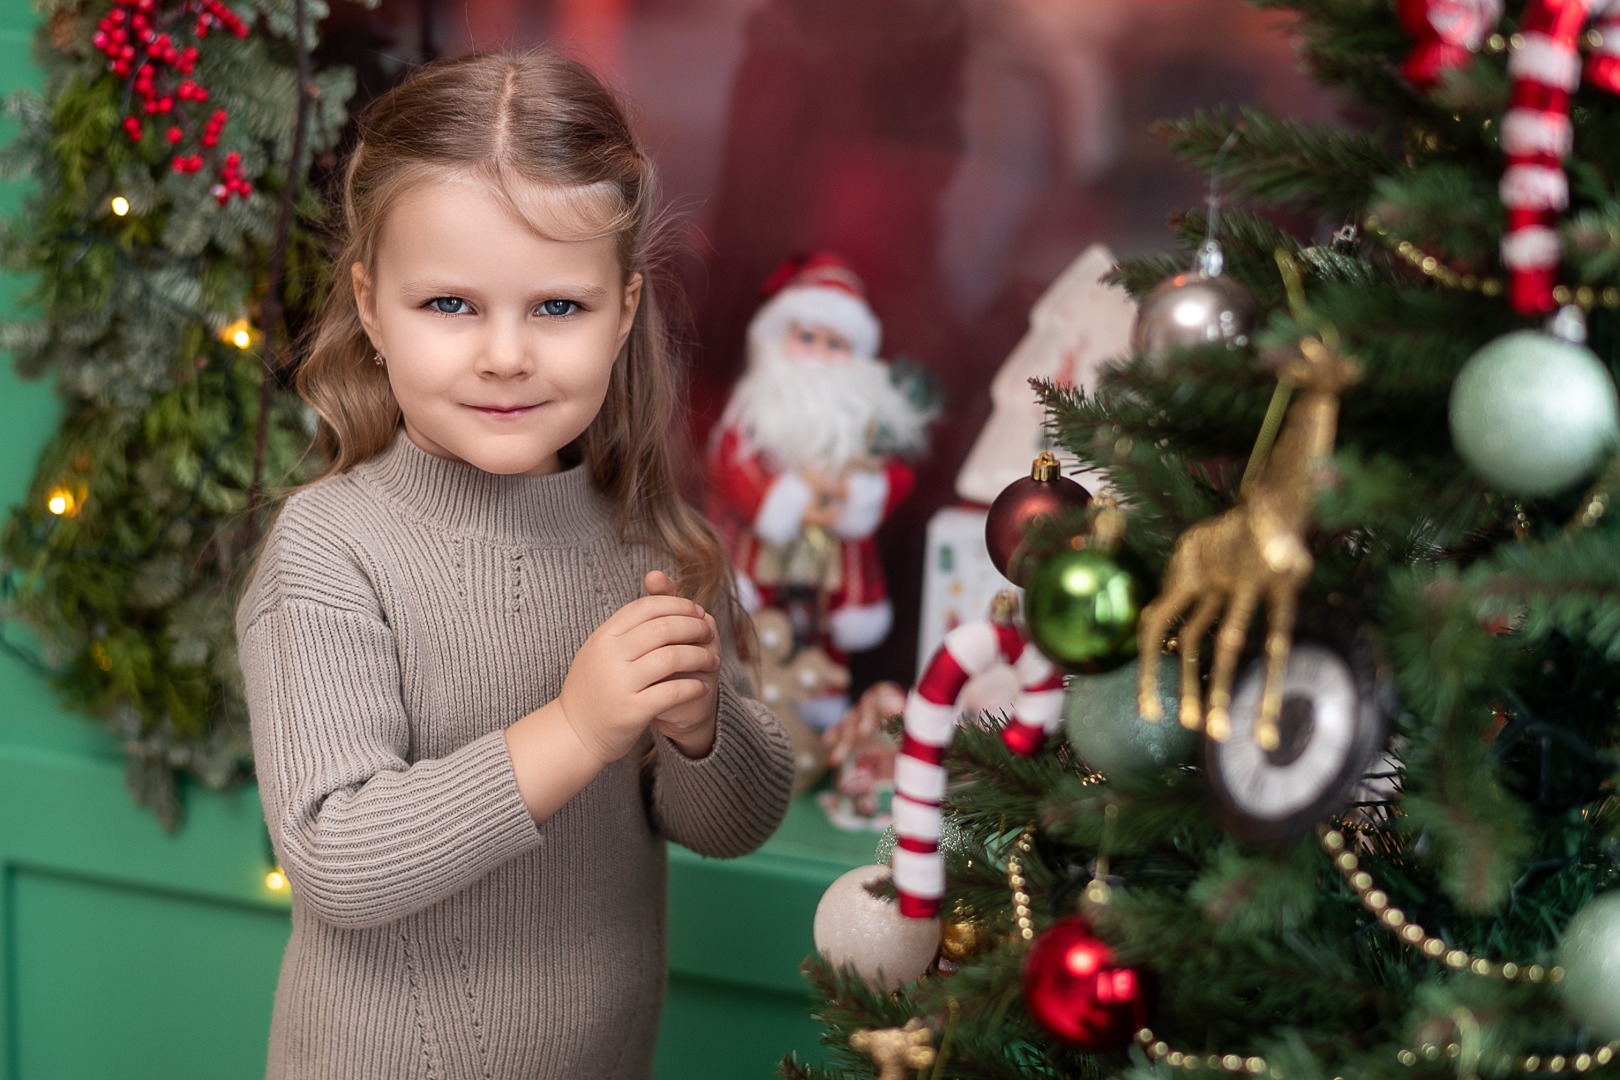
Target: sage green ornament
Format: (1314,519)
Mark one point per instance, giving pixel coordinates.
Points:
(1099,713)
(1534,413)
(1590,957)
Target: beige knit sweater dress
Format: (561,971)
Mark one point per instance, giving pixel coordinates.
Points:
(402,615)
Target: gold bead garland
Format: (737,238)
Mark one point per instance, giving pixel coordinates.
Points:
(1254,1065)
(1159,1050)
(1583,296)
(1376,901)
(1015,879)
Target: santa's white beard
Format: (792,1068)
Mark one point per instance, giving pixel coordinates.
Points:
(807,412)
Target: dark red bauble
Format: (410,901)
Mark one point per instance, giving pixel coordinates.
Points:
(1077,991)
(1044,492)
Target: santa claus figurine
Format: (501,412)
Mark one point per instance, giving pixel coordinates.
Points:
(808,459)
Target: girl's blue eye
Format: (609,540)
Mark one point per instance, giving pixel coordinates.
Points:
(557,308)
(448,305)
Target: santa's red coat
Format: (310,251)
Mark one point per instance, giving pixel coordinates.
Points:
(758,504)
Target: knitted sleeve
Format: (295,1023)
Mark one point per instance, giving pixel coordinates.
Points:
(728,802)
(365,836)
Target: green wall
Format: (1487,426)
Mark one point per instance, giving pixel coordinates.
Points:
(132,954)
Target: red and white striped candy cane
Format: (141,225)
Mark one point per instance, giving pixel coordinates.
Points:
(1536,137)
(930,723)
(1447,34)
(1603,61)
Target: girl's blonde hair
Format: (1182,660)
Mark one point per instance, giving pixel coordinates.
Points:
(513,119)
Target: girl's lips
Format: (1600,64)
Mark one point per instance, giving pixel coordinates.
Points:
(501,413)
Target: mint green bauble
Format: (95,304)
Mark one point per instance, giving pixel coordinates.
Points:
(1534,414)
(1081,609)
(1099,713)
(1590,957)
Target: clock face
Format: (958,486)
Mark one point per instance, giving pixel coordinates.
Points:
(1331,727)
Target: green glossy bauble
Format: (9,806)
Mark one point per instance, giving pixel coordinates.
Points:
(1534,414)
(1099,713)
(1590,957)
(1081,607)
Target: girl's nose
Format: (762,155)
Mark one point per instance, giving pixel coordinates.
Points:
(505,353)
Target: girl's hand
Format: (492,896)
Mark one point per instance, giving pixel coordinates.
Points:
(690,724)
(655,659)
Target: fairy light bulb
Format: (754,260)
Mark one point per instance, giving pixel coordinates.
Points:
(120,205)
(275,880)
(238,333)
(61,502)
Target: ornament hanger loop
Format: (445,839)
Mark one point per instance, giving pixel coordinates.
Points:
(1211,260)
(1569,324)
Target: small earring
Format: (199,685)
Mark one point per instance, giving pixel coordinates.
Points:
(378,359)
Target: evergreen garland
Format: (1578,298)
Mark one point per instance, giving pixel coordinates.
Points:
(125,598)
(1499,618)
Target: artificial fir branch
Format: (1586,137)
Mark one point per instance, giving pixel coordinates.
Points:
(272,307)
(131,596)
(1281,161)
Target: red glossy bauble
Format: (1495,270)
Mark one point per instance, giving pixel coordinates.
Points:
(1076,990)
(1041,494)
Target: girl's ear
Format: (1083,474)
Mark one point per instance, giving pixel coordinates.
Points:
(632,301)
(364,303)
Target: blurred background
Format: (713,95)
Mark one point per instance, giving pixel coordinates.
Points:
(958,153)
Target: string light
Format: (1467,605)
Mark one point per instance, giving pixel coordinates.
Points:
(275,880)
(238,333)
(63,502)
(120,205)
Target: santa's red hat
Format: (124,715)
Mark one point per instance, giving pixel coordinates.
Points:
(818,290)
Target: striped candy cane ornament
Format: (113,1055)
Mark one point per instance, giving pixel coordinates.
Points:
(930,723)
(1603,61)
(1536,137)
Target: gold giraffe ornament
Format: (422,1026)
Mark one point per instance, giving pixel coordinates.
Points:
(896,1051)
(1253,552)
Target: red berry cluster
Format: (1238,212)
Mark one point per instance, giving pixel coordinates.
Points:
(232,182)
(139,44)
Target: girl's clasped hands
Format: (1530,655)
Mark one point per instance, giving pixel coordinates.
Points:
(654,661)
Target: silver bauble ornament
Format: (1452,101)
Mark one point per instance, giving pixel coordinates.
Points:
(1533,413)
(854,927)
(1590,957)
(1099,713)
(1199,307)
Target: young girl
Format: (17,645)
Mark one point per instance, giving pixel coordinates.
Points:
(479,704)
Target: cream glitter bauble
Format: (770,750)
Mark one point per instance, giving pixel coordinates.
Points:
(854,927)
(1590,957)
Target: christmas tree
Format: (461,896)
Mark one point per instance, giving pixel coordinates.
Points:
(172,252)
(1360,480)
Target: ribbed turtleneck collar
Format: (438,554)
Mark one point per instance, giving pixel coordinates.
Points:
(463,498)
